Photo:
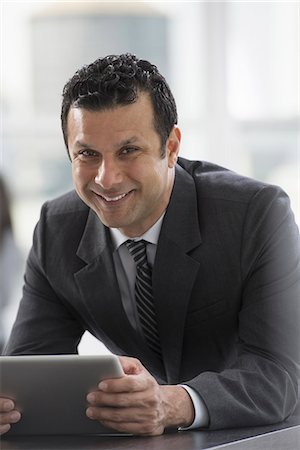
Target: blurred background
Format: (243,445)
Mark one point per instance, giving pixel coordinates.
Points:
(233,68)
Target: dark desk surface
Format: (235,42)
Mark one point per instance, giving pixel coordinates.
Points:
(285,435)
(287,439)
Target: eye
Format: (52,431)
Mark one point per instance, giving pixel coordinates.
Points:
(128,150)
(88,153)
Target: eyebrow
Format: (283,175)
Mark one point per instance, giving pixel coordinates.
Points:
(122,143)
(82,145)
(130,140)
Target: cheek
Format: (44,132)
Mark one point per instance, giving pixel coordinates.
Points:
(76,177)
(151,176)
(160,176)
(81,175)
(154,186)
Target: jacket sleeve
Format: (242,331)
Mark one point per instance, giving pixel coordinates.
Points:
(261,387)
(45,323)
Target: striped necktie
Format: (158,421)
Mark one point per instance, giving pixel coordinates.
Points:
(144,295)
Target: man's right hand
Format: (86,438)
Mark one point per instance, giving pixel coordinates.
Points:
(8,415)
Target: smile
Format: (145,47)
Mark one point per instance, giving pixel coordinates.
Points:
(113,199)
(117,198)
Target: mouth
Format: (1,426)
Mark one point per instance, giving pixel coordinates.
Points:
(115,199)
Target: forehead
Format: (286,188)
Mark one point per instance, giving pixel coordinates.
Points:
(112,126)
(138,113)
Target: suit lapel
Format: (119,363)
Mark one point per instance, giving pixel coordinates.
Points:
(174,270)
(98,284)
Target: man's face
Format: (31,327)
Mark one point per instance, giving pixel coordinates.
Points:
(117,166)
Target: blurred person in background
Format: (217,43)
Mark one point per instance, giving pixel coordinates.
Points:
(10,259)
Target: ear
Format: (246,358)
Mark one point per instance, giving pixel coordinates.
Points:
(172,146)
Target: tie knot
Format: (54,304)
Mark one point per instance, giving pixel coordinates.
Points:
(138,251)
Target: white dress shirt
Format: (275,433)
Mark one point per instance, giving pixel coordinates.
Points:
(126,274)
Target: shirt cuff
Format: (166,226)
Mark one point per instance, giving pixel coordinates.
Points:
(201,412)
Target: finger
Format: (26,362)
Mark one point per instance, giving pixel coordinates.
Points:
(128,383)
(117,415)
(6,419)
(4,429)
(131,366)
(6,405)
(134,428)
(10,417)
(123,400)
(125,415)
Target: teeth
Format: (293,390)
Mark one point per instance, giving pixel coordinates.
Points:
(114,199)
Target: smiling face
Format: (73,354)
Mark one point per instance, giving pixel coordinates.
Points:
(117,166)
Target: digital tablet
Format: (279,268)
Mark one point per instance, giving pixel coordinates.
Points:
(50,391)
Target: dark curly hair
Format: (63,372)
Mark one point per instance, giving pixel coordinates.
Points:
(117,80)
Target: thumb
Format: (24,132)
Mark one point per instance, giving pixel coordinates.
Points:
(131,366)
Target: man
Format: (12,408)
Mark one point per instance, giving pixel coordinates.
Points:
(211,315)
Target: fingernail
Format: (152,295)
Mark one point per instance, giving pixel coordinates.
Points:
(8,406)
(91,398)
(15,416)
(90,413)
(4,428)
(102,386)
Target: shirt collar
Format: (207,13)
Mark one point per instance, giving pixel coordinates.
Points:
(151,235)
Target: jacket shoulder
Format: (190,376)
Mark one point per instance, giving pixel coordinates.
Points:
(217,182)
(68,203)
(63,218)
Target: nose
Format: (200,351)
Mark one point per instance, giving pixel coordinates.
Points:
(108,174)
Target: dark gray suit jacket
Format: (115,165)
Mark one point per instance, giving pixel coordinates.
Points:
(226,287)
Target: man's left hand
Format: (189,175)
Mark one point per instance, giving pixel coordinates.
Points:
(137,404)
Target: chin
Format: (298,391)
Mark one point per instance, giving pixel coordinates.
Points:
(108,222)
